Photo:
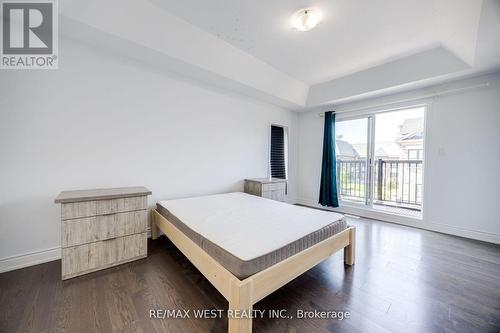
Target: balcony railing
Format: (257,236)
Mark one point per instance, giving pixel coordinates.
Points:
(396,182)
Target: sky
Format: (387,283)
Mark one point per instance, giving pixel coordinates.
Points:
(386,126)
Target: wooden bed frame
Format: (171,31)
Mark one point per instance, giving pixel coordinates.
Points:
(242,294)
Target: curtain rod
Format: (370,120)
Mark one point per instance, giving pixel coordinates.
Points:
(444,92)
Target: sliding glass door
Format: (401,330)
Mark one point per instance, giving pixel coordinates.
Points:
(351,147)
(380,158)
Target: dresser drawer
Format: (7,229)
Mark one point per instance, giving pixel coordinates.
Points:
(278,195)
(273,186)
(121,205)
(75,210)
(89,257)
(96,228)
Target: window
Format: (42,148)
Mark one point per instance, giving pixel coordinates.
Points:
(415,154)
(278,154)
(380,159)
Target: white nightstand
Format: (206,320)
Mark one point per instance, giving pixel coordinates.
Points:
(274,188)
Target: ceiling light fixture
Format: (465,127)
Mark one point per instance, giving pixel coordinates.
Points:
(306,19)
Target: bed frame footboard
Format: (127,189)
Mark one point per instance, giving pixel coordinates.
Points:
(243,294)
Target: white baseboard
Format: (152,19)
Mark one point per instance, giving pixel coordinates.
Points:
(412,222)
(34,258)
(29,259)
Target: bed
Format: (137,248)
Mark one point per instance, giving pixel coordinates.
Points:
(248,246)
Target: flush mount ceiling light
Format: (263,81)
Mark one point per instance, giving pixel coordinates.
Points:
(306,19)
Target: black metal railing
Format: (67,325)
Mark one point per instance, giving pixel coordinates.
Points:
(352,179)
(396,182)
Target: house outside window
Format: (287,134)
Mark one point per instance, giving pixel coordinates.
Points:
(415,154)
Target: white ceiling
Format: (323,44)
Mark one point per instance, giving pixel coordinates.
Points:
(353,36)
(362,48)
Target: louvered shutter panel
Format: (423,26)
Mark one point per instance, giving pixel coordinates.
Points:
(278,169)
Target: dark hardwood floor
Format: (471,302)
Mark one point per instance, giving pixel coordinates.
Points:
(404,280)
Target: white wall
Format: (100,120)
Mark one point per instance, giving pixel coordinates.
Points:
(105,121)
(462,178)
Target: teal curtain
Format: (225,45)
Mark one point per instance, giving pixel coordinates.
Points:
(328,191)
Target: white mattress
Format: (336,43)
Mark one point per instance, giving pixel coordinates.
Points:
(245,225)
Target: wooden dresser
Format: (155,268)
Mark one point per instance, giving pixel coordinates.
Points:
(274,188)
(102,228)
